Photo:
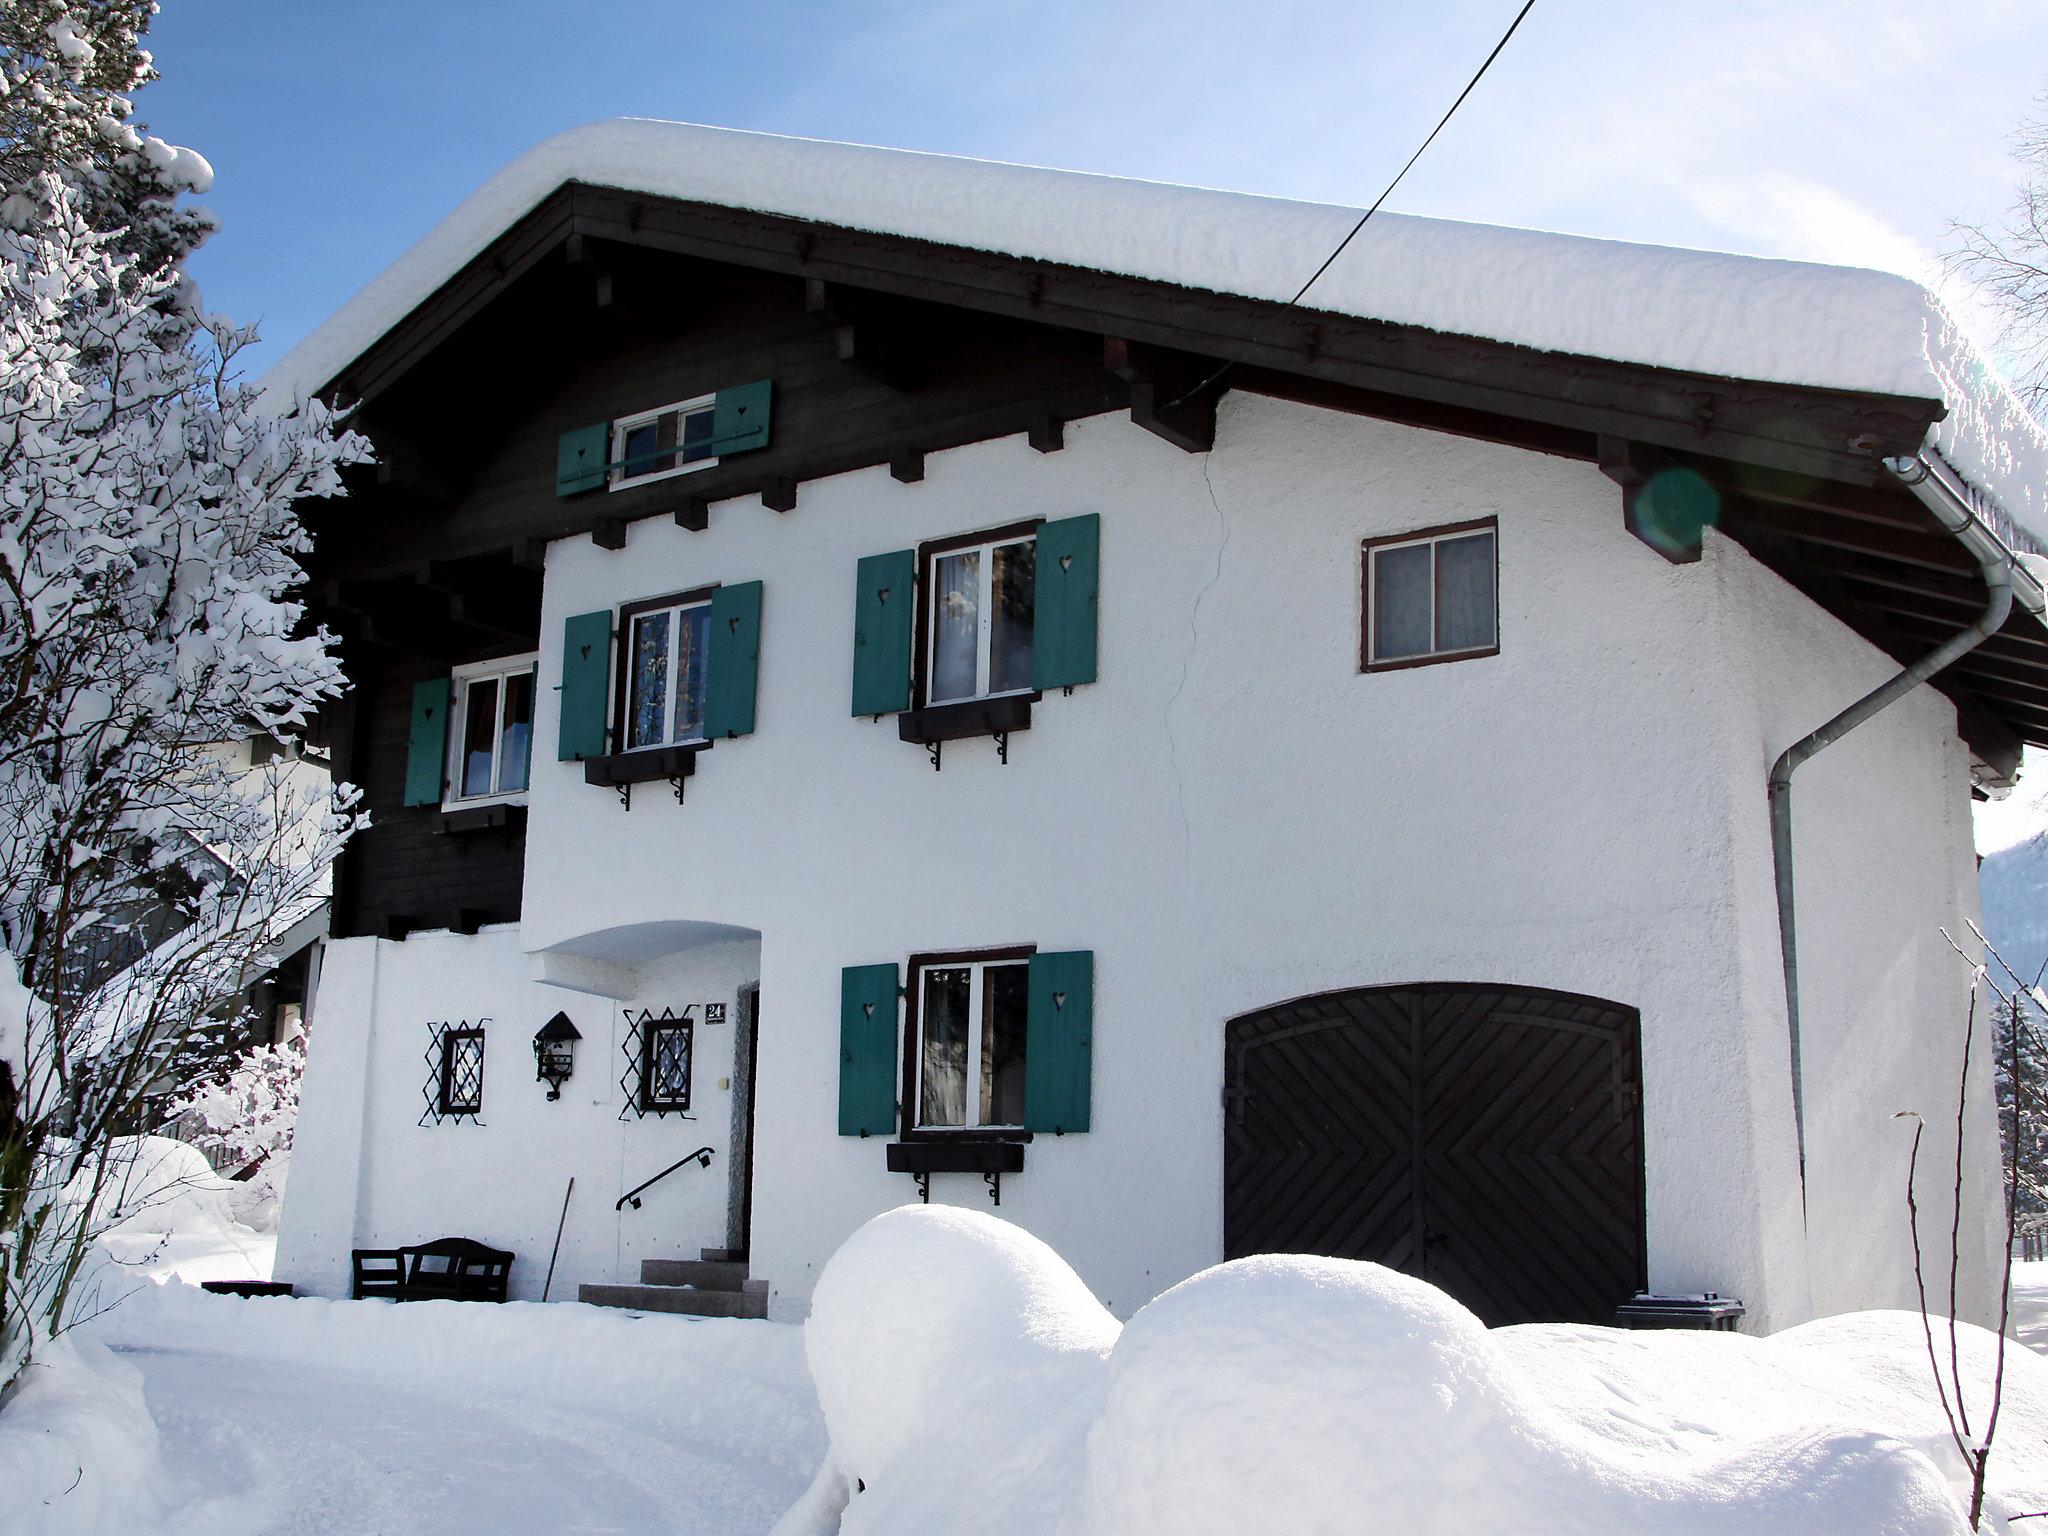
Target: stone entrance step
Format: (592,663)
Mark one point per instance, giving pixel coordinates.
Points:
(716,1285)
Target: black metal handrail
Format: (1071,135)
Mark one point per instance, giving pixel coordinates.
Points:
(701,1157)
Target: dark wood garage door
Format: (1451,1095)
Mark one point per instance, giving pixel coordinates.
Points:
(1488,1140)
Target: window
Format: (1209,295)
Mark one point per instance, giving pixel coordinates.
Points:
(491,740)
(665,1065)
(674,440)
(966,1067)
(656,1048)
(1430,596)
(662,667)
(462,1072)
(977,614)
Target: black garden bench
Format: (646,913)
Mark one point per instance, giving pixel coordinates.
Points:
(447,1269)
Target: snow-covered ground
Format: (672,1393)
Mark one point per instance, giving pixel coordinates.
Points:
(315,1418)
(993,1394)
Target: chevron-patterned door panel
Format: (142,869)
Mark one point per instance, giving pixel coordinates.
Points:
(1486,1139)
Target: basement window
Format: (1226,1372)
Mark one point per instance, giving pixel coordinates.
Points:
(672,440)
(491,742)
(662,670)
(1431,596)
(967,1064)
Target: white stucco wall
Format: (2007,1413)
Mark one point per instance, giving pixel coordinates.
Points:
(1234,816)
(501,1177)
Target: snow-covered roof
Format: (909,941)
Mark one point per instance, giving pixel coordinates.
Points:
(1738,317)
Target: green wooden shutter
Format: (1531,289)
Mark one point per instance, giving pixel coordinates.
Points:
(586,681)
(867,1050)
(426,748)
(740,417)
(1063,627)
(884,617)
(1058,1034)
(735,660)
(580,458)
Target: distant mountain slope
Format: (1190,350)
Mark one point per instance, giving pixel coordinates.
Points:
(2014,885)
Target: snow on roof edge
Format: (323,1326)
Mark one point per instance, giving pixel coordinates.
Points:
(1739,317)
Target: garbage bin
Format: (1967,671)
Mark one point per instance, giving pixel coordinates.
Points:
(1709,1310)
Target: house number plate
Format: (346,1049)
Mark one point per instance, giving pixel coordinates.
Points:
(714,1013)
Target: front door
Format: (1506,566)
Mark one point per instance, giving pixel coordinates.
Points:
(1486,1139)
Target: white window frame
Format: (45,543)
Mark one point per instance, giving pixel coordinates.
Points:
(615,474)
(1432,537)
(976,1013)
(984,639)
(461,679)
(675,651)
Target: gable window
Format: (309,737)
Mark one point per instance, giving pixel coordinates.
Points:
(672,440)
(966,1061)
(664,664)
(977,614)
(461,1072)
(491,742)
(1431,596)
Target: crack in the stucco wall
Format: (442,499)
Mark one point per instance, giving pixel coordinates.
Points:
(1186,662)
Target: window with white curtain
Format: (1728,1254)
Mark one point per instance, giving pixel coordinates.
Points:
(491,744)
(1431,596)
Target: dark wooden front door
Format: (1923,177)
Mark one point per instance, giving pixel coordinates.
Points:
(1486,1139)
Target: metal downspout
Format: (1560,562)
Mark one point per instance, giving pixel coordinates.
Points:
(1946,497)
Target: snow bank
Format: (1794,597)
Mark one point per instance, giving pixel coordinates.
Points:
(1740,317)
(78,1448)
(962,1367)
(726,1387)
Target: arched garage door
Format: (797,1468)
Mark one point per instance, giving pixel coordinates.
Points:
(1487,1139)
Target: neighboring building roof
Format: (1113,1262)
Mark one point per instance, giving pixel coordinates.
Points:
(1737,317)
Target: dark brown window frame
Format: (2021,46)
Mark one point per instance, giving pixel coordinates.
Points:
(927,552)
(445,1099)
(1420,536)
(650,1104)
(914,970)
(622,627)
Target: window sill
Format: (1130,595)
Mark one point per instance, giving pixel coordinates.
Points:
(505,815)
(956,1154)
(969,717)
(643,766)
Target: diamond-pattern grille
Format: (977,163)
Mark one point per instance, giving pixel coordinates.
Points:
(454,1089)
(657,1049)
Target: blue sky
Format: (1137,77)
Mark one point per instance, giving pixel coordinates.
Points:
(341,132)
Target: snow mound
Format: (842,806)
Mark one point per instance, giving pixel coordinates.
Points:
(158,1184)
(962,1366)
(942,1336)
(78,1448)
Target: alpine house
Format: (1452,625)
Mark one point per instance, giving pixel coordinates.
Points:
(884,677)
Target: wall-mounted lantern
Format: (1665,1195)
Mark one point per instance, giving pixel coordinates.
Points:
(554,1052)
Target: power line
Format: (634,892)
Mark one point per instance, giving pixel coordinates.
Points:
(1528,5)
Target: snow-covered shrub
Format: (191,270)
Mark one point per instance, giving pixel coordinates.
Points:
(244,1121)
(970,1381)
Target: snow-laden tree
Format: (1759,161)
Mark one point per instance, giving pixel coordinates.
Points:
(2007,260)
(69,70)
(243,1117)
(148,546)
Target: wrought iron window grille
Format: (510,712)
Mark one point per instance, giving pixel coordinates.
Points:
(454,1089)
(659,1050)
